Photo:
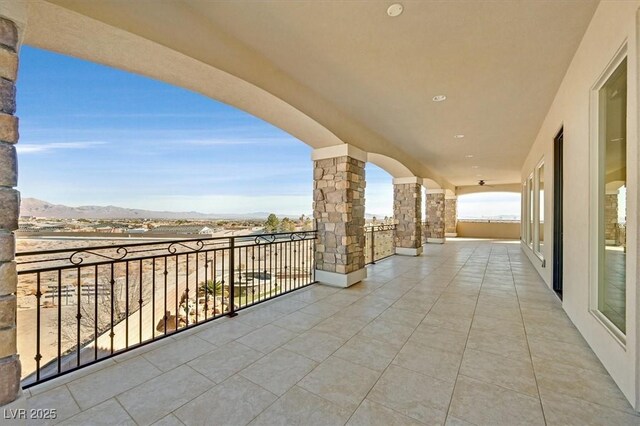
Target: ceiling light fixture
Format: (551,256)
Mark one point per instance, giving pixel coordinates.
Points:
(458,136)
(475,167)
(395,9)
(439,98)
(468,156)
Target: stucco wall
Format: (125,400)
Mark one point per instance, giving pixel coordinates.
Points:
(613,24)
(498,230)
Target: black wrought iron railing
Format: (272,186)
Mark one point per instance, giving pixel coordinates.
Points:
(82,305)
(379,242)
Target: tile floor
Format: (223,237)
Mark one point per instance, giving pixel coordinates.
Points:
(465,334)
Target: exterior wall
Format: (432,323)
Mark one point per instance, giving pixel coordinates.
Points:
(450,215)
(407,212)
(9,212)
(499,230)
(338,208)
(614,24)
(435,215)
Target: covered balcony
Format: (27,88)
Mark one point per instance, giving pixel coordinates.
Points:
(349,322)
(466,334)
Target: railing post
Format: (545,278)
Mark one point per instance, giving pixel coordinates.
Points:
(232,262)
(373,246)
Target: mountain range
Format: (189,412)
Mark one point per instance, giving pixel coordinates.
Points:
(39,208)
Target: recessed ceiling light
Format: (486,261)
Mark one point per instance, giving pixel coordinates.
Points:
(475,167)
(458,136)
(439,98)
(468,156)
(395,10)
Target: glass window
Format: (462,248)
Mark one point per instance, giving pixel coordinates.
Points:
(612,184)
(540,209)
(530,210)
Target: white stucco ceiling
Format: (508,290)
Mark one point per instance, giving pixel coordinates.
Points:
(369,79)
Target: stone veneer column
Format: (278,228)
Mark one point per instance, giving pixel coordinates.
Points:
(450,215)
(338,208)
(435,215)
(407,214)
(9,201)
(611,218)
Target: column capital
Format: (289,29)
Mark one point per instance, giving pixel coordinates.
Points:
(405,180)
(436,191)
(343,150)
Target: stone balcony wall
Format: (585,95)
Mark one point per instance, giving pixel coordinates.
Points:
(338,195)
(407,212)
(611,217)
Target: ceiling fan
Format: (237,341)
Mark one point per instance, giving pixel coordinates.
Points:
(483,182)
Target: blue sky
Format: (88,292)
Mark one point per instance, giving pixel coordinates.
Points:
(90,134)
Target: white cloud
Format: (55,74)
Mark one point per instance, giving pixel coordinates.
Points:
(45,147)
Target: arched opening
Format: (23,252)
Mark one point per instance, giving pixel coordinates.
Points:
(379,233)
(489,215)
(171,191)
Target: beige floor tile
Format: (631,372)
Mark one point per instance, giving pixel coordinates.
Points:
(108,413)
(373,414)
(438,338)
(460,324)
(297,322)
(391,333)
(109,382)
(59,399)
(367,352)
(515,374)
(417,356)
(156,398)
(579,383)
(302,408)
(565,353)
(267,338)
(342,299)
(509,347)
(236,401)
(259,316)
(321,309)
(221,363)
(315,345)
(341,326)
(178,352)
(454,421)
(279,371)
(340,381)
(402,317)
(510,328)
(481,403)
(566,411)
(222,333)
(287,306)
(413,304)
(169,420)
(420,397)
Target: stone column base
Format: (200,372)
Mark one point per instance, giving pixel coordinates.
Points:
(403,251)
(16,412)
(451,234)
(436,240)
(335,279)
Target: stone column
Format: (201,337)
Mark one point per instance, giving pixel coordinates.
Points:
(338,208)
(435,215)
(9,202)
(407,214)
(450,215)
(611,218)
